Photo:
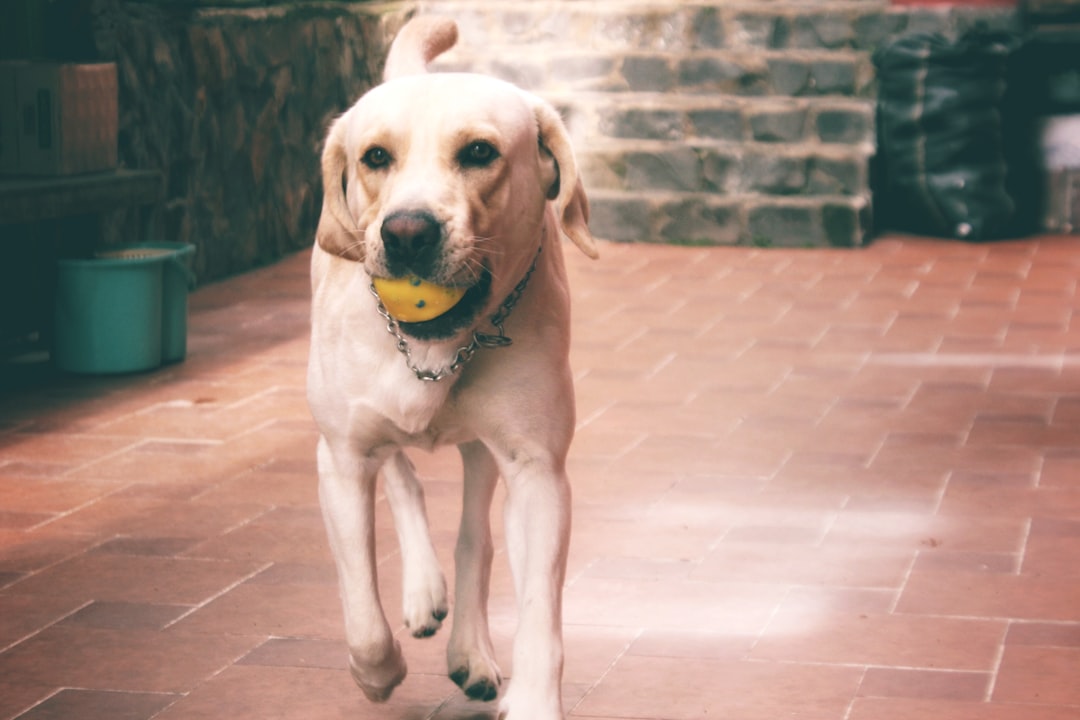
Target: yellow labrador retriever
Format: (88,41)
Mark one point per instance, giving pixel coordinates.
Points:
(468,183)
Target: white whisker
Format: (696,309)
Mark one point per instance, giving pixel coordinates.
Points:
(357,245)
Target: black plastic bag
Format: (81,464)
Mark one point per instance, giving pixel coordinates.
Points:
(953,146)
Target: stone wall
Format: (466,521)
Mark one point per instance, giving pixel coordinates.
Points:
(232,103)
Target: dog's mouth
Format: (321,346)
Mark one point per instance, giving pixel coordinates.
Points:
(457,318)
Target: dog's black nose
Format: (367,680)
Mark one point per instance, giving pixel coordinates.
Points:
(411,239)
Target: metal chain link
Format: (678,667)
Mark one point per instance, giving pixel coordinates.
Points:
(479,340)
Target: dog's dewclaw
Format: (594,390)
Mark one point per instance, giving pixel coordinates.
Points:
(410,299)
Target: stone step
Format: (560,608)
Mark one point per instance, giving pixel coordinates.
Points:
(711,219)
(673,117)
(699,122)
(726,168)
(677,26)
(672,25)
(795,73)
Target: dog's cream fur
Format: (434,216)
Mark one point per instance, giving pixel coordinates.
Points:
(510,410)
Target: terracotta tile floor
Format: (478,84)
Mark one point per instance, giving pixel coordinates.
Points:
(831,485)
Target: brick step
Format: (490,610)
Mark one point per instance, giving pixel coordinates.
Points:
(711,219)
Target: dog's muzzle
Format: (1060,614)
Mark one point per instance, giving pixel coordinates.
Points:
(413,245)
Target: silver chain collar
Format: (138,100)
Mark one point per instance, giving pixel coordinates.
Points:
(479,340)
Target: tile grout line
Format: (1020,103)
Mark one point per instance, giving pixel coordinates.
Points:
(765,626)
(663,363)
(71,511)
(71,556)
(588,419)
(227,589)
(107,456)
(999,658)
(243,400)
(855,697)
(904,582)
(607,671)
(39,703)
(1042,456)
(870,666)
(1021,554)
(77,688)
(939,496)
(45,627)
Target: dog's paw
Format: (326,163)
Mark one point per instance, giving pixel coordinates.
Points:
(378,679)
(478,688)
(476,674)
(425,605)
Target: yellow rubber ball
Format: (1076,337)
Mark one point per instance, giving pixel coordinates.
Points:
(411,299)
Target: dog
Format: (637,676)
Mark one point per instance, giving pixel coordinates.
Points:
(468,182)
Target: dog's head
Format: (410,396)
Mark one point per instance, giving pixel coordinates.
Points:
(447,177)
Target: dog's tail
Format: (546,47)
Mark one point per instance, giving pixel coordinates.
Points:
(423,39)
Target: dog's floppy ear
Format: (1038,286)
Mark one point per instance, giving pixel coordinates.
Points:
(564,183)
(337,233)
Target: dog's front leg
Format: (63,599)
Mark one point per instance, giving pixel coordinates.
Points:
(537,517)
(347,497)
(470,655)
(424,590)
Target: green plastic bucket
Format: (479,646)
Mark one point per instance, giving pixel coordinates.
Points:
(176,280)
(124,310)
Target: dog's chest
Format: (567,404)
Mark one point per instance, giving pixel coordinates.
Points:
(415,413)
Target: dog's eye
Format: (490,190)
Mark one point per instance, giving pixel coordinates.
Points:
(478,154)
(376,158)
